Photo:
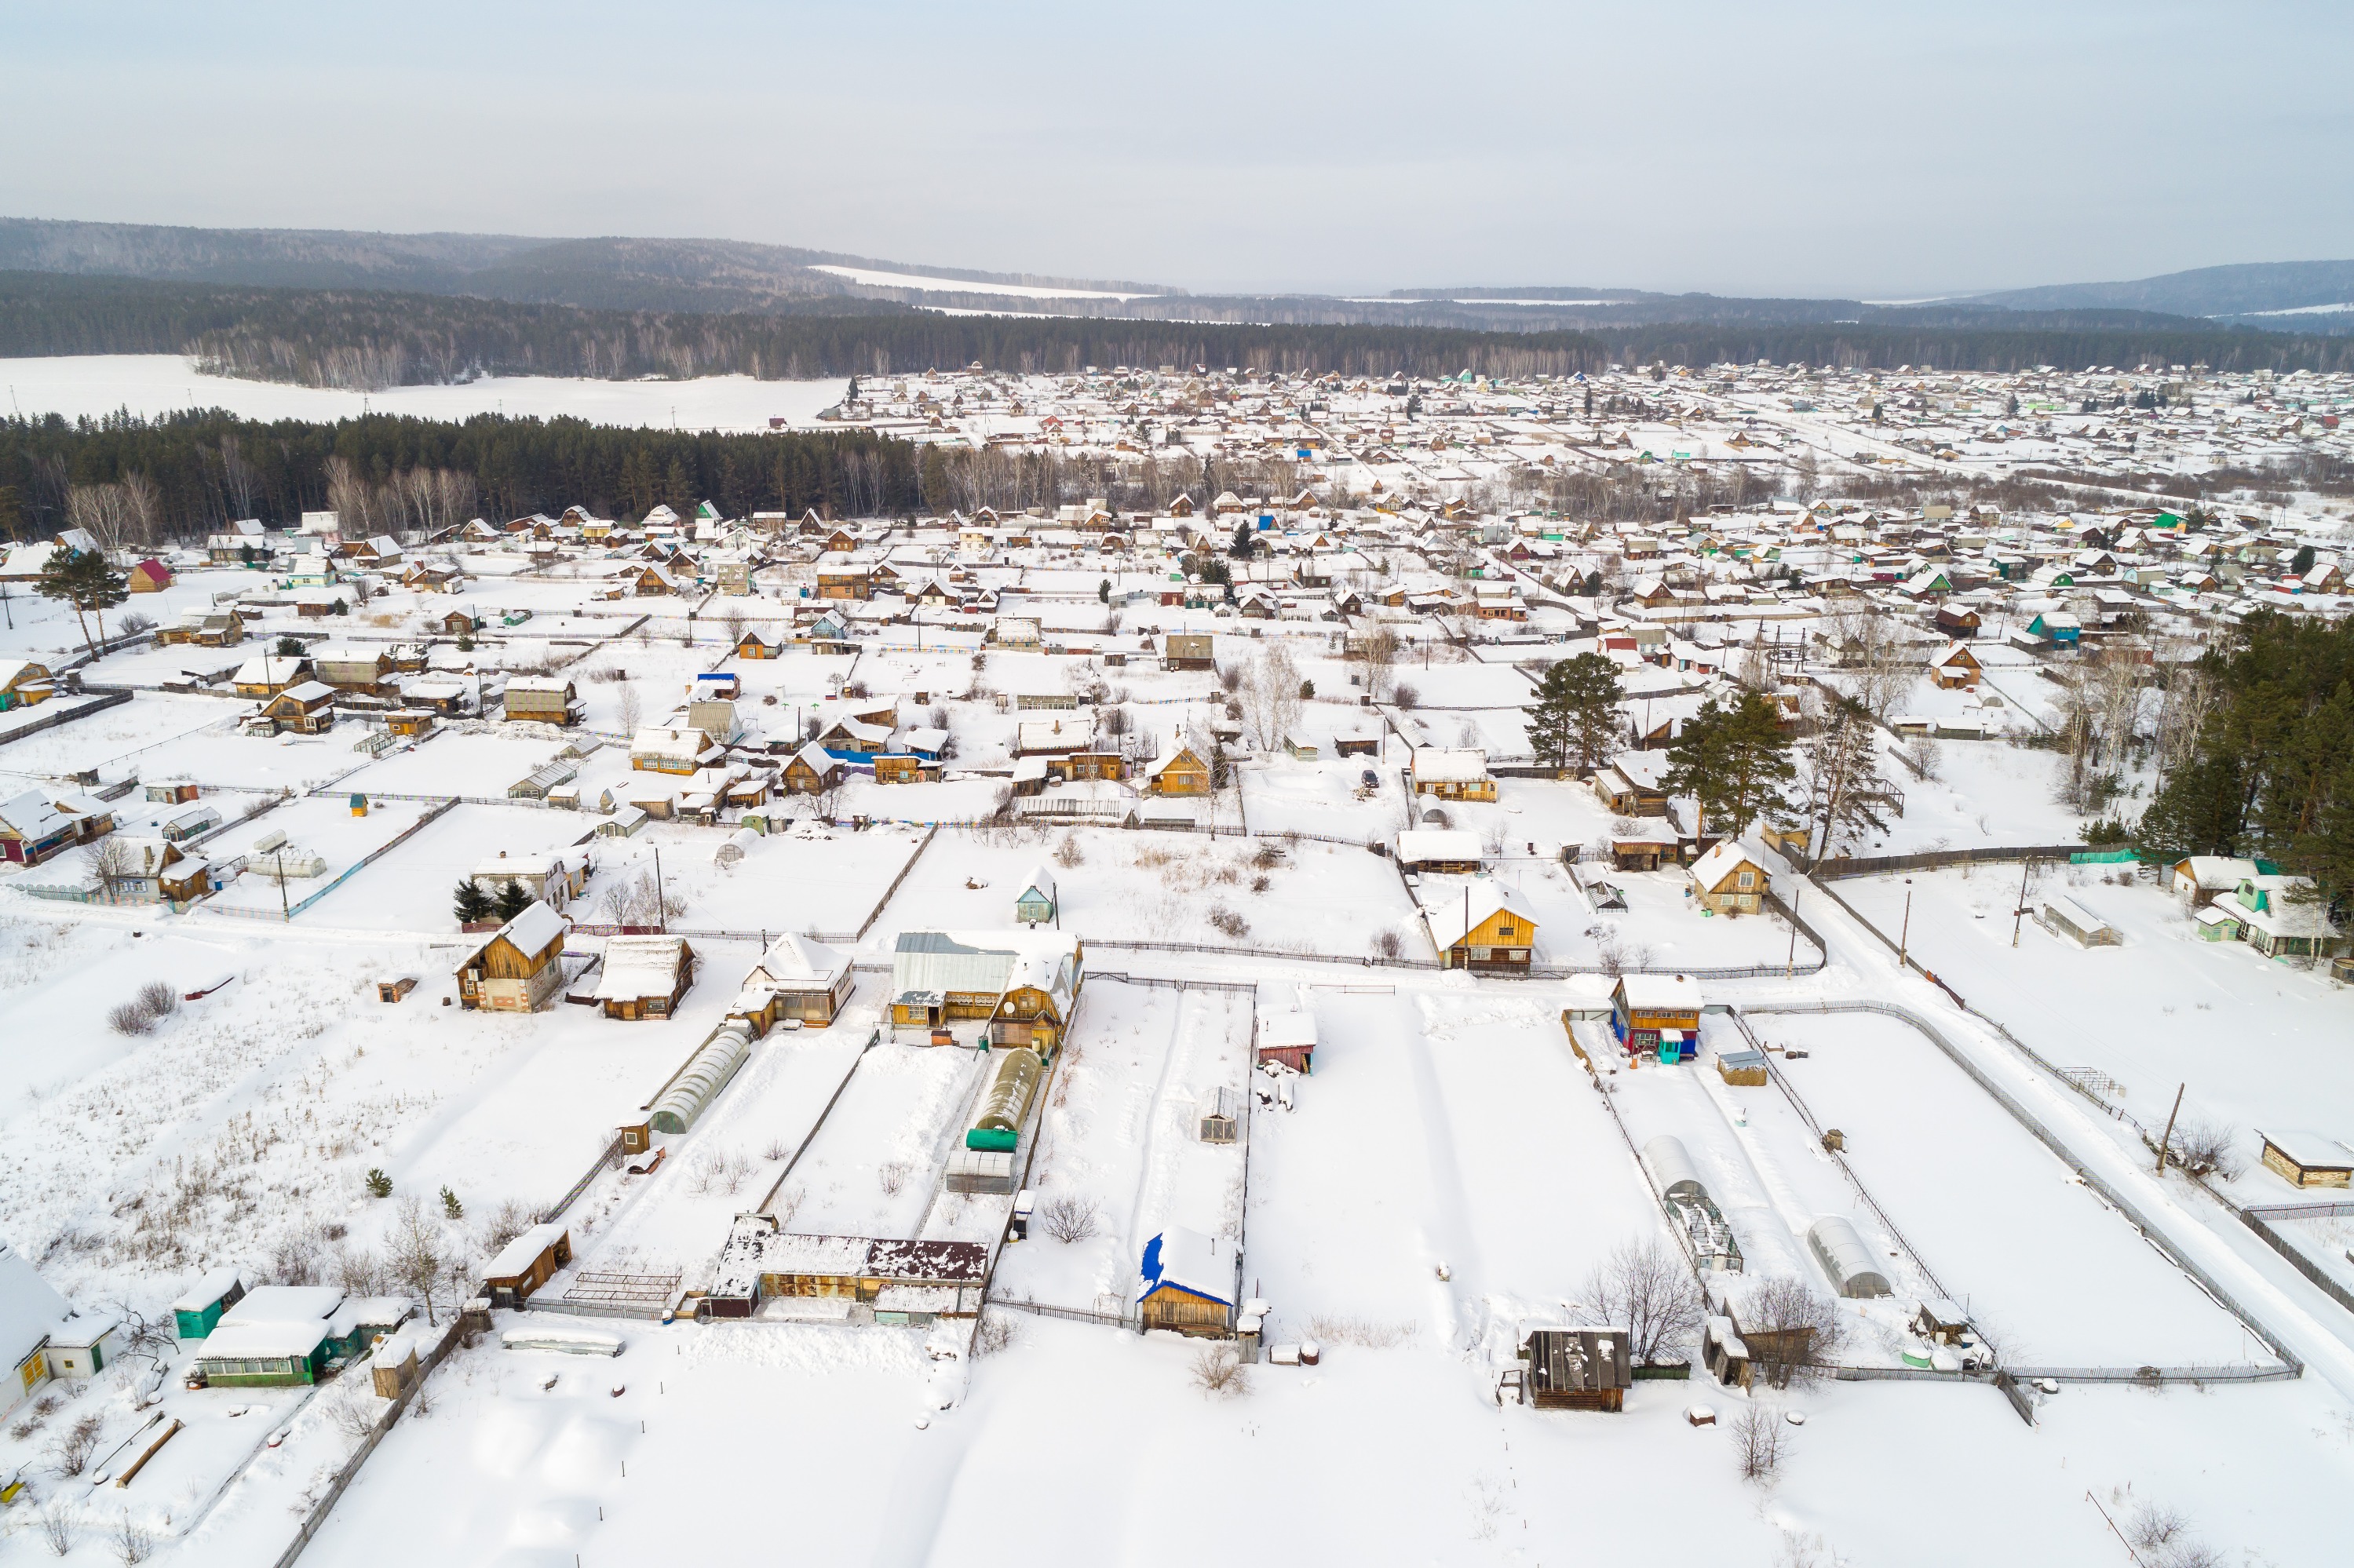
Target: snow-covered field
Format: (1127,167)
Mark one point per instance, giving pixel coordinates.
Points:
(93,386)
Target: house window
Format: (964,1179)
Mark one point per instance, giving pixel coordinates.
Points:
(1505,927)
(1748,880)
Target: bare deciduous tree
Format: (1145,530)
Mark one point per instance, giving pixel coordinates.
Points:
(1645,1287)
(1218,1371)
(418,1253)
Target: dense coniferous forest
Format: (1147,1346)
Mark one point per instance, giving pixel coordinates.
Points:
(186,474)
(2270,770)
(372,339)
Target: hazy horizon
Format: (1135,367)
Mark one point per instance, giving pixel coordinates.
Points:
(1852,152)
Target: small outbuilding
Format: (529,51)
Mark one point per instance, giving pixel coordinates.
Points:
(526,1264)
(195,1312)
(1577,1369)
(1036,906)
(2309,1158)
(644,977)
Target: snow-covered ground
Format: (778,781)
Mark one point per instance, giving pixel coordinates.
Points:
(93,386)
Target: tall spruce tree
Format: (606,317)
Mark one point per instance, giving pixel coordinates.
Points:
(1574,720)
(1735,760)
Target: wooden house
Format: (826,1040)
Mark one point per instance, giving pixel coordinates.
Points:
(1450,851)
(544,699)
(520,967)
(353,669)
(526,1264)
(840,578)
(1452,775)
(1958,621)
(1284,1033)
(24,683)
(1955,669)
(266,674)
(644,977)
(1192,1283)
(308,708)
(148,576)
(2309,1158)
(1480,927)
(1188,650)
(1655,1013)
(755,645)
(812,771)
(905,767)
(1727,881)
(796,979)
(1633,785)
(1179,773)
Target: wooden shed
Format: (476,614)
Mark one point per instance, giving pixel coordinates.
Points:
(2309,1158)
(644,977)
(526,1264)
(1577,1369)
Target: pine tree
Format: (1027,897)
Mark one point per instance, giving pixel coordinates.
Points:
(513,900)
(1735,760)
(472,904)
(1576,717)
(84,580)
(1241,548)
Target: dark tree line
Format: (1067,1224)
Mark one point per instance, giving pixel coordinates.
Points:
(367,338)
(203,469)
(2270,770)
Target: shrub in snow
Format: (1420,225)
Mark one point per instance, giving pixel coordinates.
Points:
(380,1185)
(1761,1439)
(1229,924)
(1218,1371)
(1069,1219)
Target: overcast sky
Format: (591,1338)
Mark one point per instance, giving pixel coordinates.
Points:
(1886,151)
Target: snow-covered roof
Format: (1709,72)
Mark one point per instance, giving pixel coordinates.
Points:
(638,967)
(1418,844)
(284,1304)
(30,1307)
(796,963)
(2313,1151)
(1202,1264)
(1457,911)
(1723,858)
(1040,881)
(516,1256)
(207,1290)
(530,931)
(1439,766)
(1661,993)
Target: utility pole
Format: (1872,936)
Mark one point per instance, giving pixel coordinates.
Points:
(286,910)
(2019,914)
(2169,1126)
(661,905)
(1790,965)
(1904,937)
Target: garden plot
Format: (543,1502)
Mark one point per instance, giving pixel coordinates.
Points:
(217,756)
(323,825)
(1120,1139)
(1142,887)
(454,762)
(1281,796)
(58,982)
(1444,1126)
(2160,1009)
(548,1092)
(874,1166)
(525,1471)
(129,737)
(411,888)
(814,880)
(1501,733)
(2053,1275)
(677,1219)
